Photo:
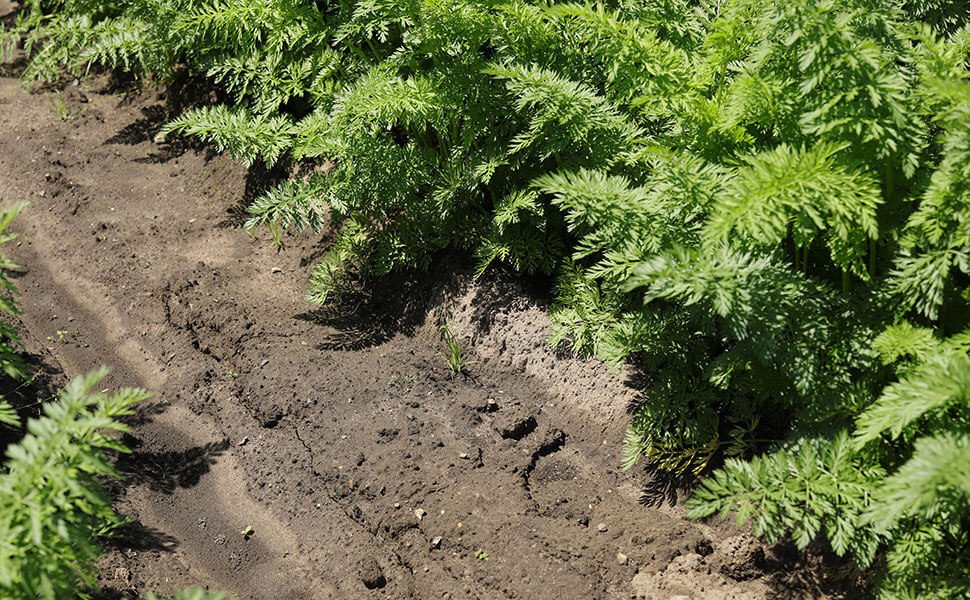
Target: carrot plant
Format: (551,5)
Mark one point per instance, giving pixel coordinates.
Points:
(52,509)
(761,203)
(11,362)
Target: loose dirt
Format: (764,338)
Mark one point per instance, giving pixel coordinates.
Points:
(293,452)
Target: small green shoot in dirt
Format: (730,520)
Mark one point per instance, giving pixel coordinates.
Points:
(455,356)
(232,374)
(63,111)
(60,336)
(481,555)
(247,532)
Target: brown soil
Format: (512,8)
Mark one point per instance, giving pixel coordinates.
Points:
(339,435)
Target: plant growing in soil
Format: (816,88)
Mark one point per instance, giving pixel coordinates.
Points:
(455,355)
(63,111)
(11,363)
(52,507)
(761,203)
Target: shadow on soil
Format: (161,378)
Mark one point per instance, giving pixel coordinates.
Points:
(790,569)
(259,180)
(138,537)
(145,413)
(378,308)
(499,291)
(182,93)
(14,68)
(665,488)
(167,471)
(142,130)
(28,397)
(375,311)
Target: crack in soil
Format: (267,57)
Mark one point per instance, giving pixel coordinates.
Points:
(296,431)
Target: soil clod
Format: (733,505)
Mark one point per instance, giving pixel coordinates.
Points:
(371,574)
(516,426)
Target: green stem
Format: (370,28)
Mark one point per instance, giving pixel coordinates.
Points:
(720,81)
(377,56)
(805,260)
(357,51)
(846,283)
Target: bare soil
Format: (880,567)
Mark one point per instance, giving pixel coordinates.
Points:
(339,436)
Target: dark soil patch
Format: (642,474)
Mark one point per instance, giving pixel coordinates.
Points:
(296,452)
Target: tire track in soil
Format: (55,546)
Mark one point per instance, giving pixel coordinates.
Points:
(340,437)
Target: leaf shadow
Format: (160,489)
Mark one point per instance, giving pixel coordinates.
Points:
(167,471)
(29,397)
(374,311)
(665,488)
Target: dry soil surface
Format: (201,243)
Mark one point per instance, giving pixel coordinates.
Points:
(338,437)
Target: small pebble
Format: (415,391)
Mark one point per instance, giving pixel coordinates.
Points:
(621,558)
(436,543)
(601,528)
(420,513)
(243,441)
